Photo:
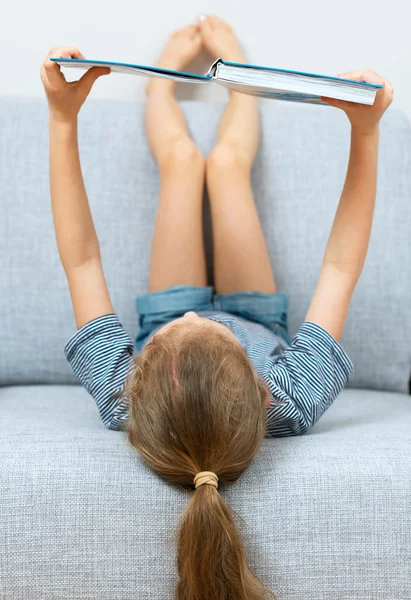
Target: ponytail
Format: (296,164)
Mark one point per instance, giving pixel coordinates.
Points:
(211,557)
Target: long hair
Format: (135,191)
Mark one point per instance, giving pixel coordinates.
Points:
(197,404)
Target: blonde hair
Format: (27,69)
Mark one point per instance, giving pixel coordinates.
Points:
(196,403)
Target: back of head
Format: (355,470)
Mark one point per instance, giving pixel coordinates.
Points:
(197,404)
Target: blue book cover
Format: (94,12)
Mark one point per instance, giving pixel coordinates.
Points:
(266,82)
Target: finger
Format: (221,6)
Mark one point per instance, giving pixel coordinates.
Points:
(373,77)
(331,101)
(44,77)
(55,76)
(86,82)
(66,52)
(336,103)
(52,72)
(365,75)
(389,87)
(52,83)
(355,75)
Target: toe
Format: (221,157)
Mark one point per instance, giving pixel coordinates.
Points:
(217,22)
(205,27)
(189,31)
(197,42)
(195,36)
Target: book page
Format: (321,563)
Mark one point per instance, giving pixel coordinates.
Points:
(116,67)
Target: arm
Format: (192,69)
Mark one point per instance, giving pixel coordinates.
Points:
(310,374)
(348,241)
(100,352)
(350,234)
(76,237)
(306,379)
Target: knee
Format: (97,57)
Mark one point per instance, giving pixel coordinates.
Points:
(181,154)
(227,156)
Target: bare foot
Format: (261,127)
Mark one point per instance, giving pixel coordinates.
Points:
(182,47)
(220,39)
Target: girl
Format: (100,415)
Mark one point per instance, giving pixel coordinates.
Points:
(214,373)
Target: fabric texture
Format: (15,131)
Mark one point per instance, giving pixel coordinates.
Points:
(304,378)
(326,515)
(297,180)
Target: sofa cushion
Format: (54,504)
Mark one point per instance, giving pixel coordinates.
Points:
(297,178)
(326,515)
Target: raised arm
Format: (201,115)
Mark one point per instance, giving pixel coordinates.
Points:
(76,237)
(350,234)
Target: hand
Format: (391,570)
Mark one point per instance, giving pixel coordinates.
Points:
(65,99)
(365,118)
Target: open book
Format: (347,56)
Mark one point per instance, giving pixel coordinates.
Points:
(267,82)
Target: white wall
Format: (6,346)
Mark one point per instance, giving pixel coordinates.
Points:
(322,36)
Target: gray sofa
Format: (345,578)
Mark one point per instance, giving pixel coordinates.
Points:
(327,515)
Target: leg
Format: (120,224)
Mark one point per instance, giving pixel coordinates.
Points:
(241,260)
(178,251)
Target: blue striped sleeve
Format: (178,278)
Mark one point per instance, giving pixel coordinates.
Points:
(100,354)
(305,380)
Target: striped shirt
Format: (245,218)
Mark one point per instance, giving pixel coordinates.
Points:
(304,378)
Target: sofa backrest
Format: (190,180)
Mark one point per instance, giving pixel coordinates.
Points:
(297,179)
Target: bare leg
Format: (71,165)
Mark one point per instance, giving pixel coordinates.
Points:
(241,260)
(177,256)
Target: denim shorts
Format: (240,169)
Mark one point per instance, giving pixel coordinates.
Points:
(155,309)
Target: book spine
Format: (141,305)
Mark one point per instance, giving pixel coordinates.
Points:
(213,69)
